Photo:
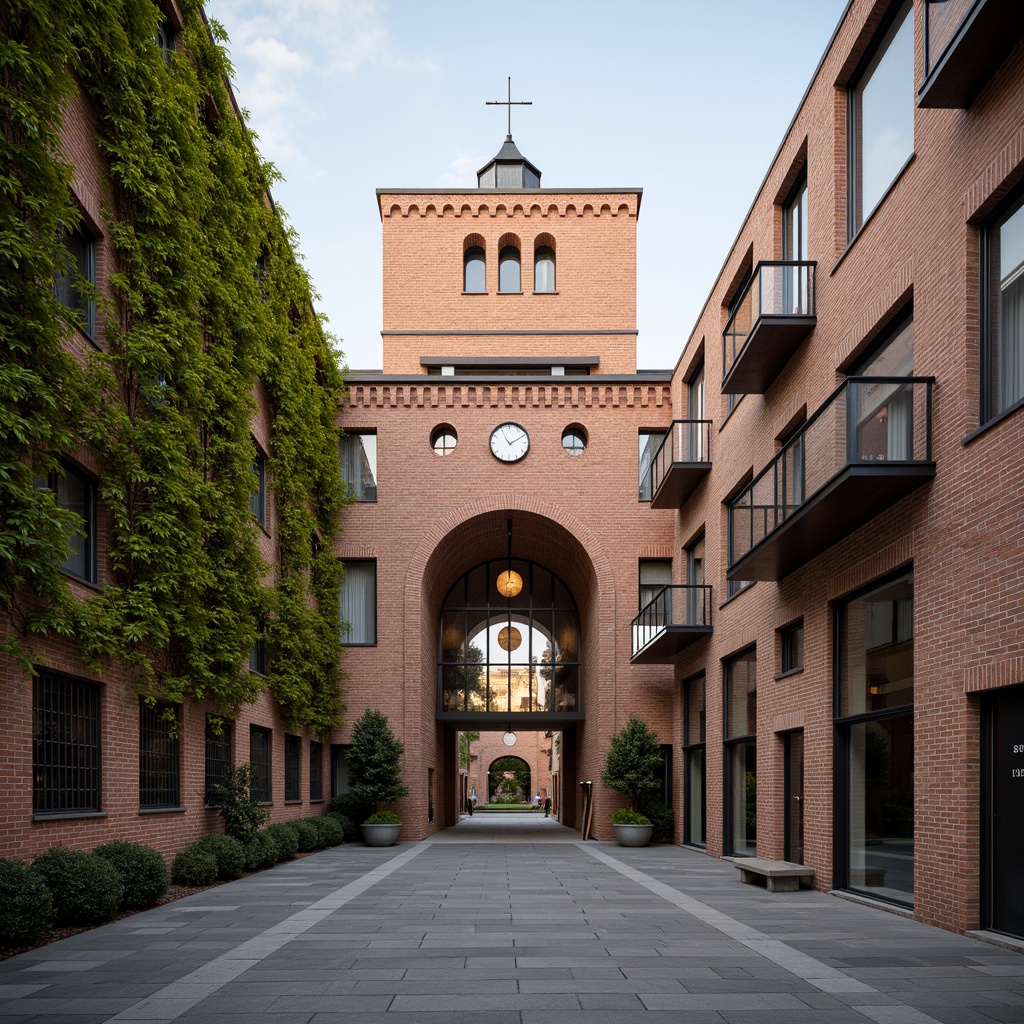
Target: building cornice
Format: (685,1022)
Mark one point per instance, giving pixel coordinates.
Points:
(528,202)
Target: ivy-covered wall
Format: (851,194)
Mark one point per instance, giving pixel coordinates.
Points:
(206,307)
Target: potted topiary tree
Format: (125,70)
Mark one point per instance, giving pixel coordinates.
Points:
(375,774)
(633,767)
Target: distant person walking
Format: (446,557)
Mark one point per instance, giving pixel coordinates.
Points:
(547,806)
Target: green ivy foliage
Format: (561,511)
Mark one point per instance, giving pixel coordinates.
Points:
(209,318)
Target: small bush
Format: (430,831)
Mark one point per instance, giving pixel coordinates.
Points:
(331,830)
(227,852)
(383,818)
(26,906)
(260,852)
(351,806)
(309,837)
(86,889)
(142,871)
(242,813)
(349,832)
(664,821)
(627,816)
(285,838)
(193,866)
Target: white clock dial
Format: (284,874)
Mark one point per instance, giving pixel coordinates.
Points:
(509,442)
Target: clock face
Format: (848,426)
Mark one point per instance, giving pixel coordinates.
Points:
(509,442)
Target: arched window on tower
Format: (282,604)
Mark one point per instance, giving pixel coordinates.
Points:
(474,270)
(508,270)
(544,268)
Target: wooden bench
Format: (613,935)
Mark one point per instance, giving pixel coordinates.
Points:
(779,875)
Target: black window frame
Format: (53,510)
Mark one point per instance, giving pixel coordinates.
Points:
(68,283)
(346,637)
(731,741)
(292,768)
(505,255)
(219,754)
(474,254)
(541,254)
(67,745)
(159,756)
(316,771)
(647,591)
(360,492)
(988,412)
(258,496)
(261,760)
(88,531)
(690,748)
(791,648)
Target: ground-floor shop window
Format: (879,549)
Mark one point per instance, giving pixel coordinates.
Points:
(694,720)
(875,732)
(741,753)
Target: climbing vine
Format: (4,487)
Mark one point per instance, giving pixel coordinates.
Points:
(208,325)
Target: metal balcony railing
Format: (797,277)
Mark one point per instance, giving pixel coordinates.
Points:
(677,616)
(680,463)
(774,313)
(867,446)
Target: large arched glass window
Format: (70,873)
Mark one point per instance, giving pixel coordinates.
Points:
(544,269)
(474,270)
(507,655)
(508,270)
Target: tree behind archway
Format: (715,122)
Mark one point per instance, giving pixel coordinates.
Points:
(508,780)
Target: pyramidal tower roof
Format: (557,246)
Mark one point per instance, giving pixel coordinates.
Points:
(508,169)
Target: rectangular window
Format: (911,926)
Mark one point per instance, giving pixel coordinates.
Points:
(219,752)
(359,604)
(655,574)
(741,752)
(258,496)
(880,111)
(65,745)
(159,756)
(650,442)
(796,283)
(292,768)
(875,733)
(696,409)
(694,721)
(316,771)
(791,647)
(260,760)
(76,492)
(359,465)
(74,282)
(1003,310)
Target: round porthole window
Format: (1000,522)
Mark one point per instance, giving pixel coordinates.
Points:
(574,440)
(443,439)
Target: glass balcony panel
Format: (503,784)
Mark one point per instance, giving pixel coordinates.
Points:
(773,315)
(680,463)
(823,475)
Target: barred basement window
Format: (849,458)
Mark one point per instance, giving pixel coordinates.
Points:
(65,745)
(316,770)
(159,757)
(259,759)
(292,756)
(219,754)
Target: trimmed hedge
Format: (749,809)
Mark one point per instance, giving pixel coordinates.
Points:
(331,831)
(26,906)
(260,852)
(285,838)
(86,889)
(308,836)
(194,867)
(226,851)
(348,804)
(349,831)
(141,869)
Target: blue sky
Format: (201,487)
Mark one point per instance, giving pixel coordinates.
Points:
(687,99)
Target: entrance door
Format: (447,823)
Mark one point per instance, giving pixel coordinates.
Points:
(793,757)
(1006,764)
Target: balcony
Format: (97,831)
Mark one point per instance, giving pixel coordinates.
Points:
(965,41)
(677,617)
(868,446)
(682,461)
(774,314)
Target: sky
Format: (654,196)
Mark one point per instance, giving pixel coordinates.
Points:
(686,99)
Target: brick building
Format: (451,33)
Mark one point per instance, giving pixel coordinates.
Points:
(815,601)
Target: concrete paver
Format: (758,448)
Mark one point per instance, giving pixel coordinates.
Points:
(512,921)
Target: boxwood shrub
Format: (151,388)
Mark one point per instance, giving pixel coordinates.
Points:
(226,851)
(260,852)
(330,829)
(26,906)
(193,866)
(285,838)
(351,806)
(309,837)
(348,827)
(86,889)
(141,869)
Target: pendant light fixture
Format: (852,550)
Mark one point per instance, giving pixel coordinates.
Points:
(510,584)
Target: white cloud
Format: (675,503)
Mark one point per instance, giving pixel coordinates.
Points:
(461,171)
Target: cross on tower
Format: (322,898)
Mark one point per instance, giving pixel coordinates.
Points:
(510,103)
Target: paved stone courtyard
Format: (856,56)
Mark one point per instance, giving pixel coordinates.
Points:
(528,926)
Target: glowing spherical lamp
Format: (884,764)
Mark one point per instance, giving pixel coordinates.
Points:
(509,638)
(509,583)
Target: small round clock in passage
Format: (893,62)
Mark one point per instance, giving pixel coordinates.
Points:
(509,442)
